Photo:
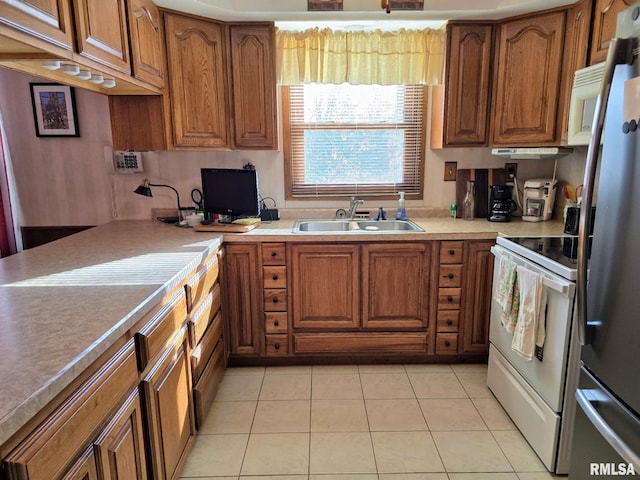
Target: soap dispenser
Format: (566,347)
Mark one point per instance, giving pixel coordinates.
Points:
(401,214)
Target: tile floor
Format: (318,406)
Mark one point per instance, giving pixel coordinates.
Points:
(367,422)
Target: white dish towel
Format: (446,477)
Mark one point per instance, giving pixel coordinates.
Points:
(506,293)
(530,328)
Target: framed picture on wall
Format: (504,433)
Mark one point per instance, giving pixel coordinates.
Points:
(54,110)
(324,5)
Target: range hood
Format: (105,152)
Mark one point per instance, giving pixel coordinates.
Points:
(531,153)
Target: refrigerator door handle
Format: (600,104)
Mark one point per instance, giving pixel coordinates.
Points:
(620,52)
(621,448)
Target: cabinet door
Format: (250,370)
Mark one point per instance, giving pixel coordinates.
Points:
(101,30)
(48,20)
(476,307)
(527,81)
(468,85)
(395,285)
(120,447)
(605,17)
(575,57)
(169,409)
(147,46)
(254,86)
(196,61)
(84,468)
(325,286)
(243,298)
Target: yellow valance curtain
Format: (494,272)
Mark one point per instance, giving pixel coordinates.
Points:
(361,57)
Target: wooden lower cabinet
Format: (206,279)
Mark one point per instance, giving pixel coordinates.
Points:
(325,286)
(476,308)
(242,285)
(85,468)
(119,450)
(169,410)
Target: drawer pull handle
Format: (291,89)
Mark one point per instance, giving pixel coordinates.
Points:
(275,300)
(449,323)
(452,252)
(447,343)
(274,278)
(449,299)
(276,323)
(277,346)
(451,275)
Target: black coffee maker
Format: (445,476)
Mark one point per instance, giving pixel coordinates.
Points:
(501,205)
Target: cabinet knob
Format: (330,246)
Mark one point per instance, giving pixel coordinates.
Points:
(276,323)
(277,346)
(452,252)
(275,300)
(275,277)
(447,343)
(449,299)
(449,323)
(451,275)
(273,254)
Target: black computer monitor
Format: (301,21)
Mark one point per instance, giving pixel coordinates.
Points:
(231,192)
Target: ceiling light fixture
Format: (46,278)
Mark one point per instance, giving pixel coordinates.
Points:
(96,78)
(84,75)
(70,69)
(109,83)
(51,64)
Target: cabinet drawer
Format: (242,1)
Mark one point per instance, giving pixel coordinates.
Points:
(446,343)
(275,322)
(364,343)
(67,432)
(202,352)
(448,320)
(275,300)
(275,277)
(205,390)
(450,276)
(273,254)
(200,284)
(449,298)
(157,333)
(277,345)
(451,252)
(203,314)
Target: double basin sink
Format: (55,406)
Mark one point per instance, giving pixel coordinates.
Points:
(356,226)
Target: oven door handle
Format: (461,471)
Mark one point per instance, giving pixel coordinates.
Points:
(620,52)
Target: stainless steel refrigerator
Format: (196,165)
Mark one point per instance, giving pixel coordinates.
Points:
(606,440)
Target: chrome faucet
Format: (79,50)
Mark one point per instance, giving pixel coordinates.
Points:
(353,205)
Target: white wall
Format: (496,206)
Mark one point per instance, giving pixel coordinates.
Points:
(65,181)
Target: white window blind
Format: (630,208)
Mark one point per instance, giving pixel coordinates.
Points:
(354,139)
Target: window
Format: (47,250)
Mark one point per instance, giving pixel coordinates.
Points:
(353,139)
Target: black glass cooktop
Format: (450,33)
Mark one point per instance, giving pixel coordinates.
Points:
(559,254)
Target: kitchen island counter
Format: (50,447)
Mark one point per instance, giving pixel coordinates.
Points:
(66,302)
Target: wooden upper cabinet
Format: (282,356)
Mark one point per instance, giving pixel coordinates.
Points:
(253,81)
(197,82)
(48,20)
(575,57)
(527,81)
(395,288)
(468,78)
(605,16)
(147,45)
(101,32)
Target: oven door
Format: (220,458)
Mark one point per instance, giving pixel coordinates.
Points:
(547,376)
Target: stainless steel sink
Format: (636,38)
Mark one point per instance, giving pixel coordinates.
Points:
(357,226)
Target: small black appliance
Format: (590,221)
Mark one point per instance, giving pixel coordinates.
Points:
(501,205)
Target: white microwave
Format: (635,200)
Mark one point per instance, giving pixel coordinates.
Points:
(586,86)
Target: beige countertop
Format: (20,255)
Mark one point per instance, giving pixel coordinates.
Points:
(67,302)
(434,229)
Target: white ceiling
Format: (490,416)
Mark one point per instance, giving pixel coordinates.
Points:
(359,12)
